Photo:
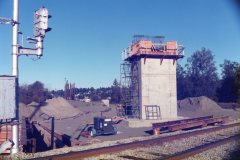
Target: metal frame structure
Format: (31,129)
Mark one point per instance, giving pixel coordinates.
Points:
(130,89)
(125,82)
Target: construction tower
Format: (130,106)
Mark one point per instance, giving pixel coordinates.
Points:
(148,78)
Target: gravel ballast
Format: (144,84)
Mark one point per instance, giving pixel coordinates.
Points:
(149,152)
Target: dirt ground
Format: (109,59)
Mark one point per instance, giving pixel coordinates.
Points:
(71,117)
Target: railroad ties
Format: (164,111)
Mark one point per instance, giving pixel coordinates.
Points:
(177,125)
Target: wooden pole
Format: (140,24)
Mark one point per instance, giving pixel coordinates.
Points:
(52,134)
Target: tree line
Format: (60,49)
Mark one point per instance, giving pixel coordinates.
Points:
(113,93)
(36,92)
(199,77)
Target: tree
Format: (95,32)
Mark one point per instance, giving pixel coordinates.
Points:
(227,91)
(115,94)
(95,97)
(181,85)
(33,93)
(237,84)
(58,93)
(201,74)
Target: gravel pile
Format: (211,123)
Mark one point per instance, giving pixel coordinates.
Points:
(203,106)
(59,108)
(28,111)
(56,107)
(233,106)
(72,126)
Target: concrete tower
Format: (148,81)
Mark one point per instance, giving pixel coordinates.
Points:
(148,78)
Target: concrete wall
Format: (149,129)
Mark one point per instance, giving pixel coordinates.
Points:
(158,87)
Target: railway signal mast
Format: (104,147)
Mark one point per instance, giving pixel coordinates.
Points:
(40,28)
(41,17)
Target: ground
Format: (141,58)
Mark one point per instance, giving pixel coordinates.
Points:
(71,117)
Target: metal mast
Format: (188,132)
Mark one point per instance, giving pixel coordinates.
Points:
(41,17)
(15,129)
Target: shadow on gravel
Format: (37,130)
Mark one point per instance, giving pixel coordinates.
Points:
(133,158)
(37,109)
(234,155)
(150,132)
(158,154)
(67,140)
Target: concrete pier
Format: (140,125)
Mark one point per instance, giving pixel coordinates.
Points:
(158,86)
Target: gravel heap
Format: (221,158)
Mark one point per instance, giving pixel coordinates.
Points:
(56,107)
(59,108)
(203,106)
(233,106)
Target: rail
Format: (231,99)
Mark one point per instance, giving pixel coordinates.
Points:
(133,145)
(186,124)
(199,149)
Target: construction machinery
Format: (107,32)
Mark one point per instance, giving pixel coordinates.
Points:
(102,126)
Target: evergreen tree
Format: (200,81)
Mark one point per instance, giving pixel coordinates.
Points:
(116,94)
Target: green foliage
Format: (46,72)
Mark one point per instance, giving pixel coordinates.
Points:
(227,91)
(33,93)
(237,84)
(58,93)
(116,92)
(200,77)
(95,97)
(97,94)
(181,82)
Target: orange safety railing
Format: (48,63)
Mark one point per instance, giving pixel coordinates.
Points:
(149,47)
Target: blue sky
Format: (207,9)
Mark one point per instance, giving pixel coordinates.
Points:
(88,35)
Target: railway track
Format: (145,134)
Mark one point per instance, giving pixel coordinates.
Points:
(193,151)
(146,143)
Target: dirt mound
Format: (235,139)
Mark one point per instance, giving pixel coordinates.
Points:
(229,105)
(202,106)
(198,103)
(59,108)
(56,107)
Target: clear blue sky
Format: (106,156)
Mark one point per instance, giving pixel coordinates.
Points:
(88,35)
